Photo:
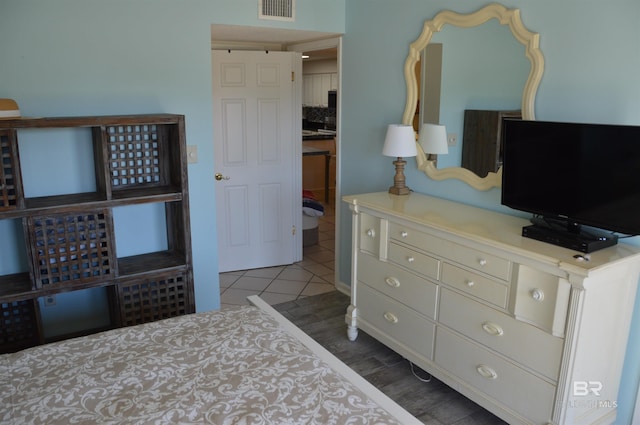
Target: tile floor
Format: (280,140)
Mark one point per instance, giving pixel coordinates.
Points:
(312,276)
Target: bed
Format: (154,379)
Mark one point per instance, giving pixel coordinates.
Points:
(242,365)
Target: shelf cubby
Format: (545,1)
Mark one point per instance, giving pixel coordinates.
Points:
(20,326)
(68,249)
(154,297)
(16,286)
(144,263)
(10,176)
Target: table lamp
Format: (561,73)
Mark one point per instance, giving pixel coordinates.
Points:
(433,139)
(400,142)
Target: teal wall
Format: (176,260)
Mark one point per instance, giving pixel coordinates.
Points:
(84,57)
(591,74)
(97,57)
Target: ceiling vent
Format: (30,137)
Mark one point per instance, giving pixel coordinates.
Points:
(279,10)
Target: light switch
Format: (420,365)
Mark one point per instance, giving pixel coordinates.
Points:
(192,154)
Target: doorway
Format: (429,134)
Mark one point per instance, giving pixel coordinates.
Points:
(319,122)
(240,37)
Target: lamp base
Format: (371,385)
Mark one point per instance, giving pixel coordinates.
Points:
(399,187)
(399,190)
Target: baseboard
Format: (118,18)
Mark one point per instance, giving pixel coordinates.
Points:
(344,288)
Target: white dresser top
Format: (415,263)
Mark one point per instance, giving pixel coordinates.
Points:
(498,230)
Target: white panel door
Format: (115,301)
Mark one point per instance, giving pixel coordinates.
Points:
(253,100)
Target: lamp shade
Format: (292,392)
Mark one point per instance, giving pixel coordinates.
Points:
(400,141)
(433,139)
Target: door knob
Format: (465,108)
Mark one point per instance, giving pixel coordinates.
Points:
(219,177)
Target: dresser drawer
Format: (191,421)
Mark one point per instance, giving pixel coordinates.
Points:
(541,299)
(416,238)
(469,257)
(499,379)
(415,261)
(396,320)
(399,284)
(481,261)
(369,234)
(476,285)
(519,341)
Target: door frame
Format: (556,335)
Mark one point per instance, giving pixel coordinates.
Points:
(334,41)
(321,45)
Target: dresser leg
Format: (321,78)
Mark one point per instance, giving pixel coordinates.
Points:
(352,332)
(352,328)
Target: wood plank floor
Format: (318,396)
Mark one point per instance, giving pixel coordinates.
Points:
(322,317)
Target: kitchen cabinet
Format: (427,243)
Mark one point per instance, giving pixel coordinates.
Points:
(321,87)
(334,81)
(521,327)
(316,88)
(70,239)
(307,90)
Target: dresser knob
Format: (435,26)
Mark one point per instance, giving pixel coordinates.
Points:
(393,282)
(411,259)
(390,317)
(482,262)
(404,234)
(486,372)
(537,294)
(470,283)
(371,233)
(492,329)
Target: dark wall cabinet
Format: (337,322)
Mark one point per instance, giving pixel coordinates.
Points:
(482,139)
(70,239)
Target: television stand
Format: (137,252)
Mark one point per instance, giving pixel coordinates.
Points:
(570,236)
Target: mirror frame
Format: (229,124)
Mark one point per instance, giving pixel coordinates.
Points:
(530,40)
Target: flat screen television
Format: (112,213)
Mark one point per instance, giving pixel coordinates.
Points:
(581,181)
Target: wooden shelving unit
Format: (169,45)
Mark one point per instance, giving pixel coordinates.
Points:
(71,240)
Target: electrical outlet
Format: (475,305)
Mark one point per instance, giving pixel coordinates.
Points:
(452,139)
(49,300)
(192,154)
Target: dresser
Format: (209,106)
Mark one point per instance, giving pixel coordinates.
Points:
(532,332)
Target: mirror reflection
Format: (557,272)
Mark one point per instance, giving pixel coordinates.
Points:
(481,68)
(474,66)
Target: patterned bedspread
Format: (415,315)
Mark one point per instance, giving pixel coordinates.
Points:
(236,366)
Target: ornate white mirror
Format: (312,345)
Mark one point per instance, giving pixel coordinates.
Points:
(509,23)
